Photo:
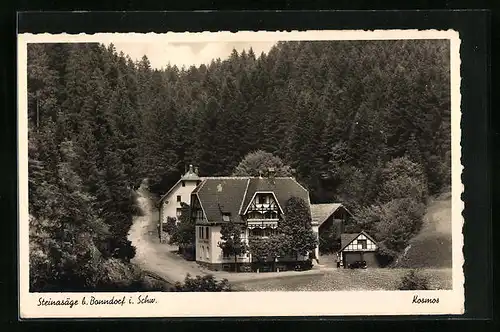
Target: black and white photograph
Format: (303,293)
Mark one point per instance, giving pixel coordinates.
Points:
(279,166)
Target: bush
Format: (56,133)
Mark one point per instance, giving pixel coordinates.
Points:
(399,221)
(385,256)
(414,280)
(206,283)
(170,227)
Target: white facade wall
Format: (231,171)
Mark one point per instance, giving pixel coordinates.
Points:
(170,205)
(355,246)
(216,252)
(208,250)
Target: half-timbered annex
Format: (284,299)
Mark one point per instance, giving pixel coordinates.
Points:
(358,247)
(257,203)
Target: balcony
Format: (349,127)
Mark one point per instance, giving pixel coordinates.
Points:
(262,223)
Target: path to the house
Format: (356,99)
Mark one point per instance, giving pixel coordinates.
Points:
(161,258)
(151,255)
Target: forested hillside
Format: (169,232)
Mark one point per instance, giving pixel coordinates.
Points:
(338,113)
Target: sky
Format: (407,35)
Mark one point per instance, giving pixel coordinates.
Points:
(188,53)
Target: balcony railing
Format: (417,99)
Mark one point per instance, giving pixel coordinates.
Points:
(264,223)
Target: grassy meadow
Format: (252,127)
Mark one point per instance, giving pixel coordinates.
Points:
(371,279)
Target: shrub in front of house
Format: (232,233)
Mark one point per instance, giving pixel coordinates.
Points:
(414,280)
(170,227)
(206,283)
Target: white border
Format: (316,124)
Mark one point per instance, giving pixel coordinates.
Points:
(344,303)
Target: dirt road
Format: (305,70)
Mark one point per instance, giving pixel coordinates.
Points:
(151,255)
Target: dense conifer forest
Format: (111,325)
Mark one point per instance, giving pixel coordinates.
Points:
(358,122)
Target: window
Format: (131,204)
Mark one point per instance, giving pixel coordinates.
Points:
(253,215)
(262,199)
(256,232)
(362,243)
(207,256)
(178,212)
(183,183)
(226,217)
(270,215)
(201,228)
(178,198)
(206,233)
(268,231)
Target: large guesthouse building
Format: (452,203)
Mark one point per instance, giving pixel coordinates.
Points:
(256,203)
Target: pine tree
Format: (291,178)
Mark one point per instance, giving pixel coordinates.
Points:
(296,227)
(42,85)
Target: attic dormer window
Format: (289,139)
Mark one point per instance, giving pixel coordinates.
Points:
(226,217)
(183,183)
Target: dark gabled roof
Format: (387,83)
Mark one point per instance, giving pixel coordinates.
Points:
(283,187)
(197,188)
(347,238)
(321,212)
(219,195)
(232,195)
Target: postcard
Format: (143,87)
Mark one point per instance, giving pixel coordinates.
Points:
(256,173)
